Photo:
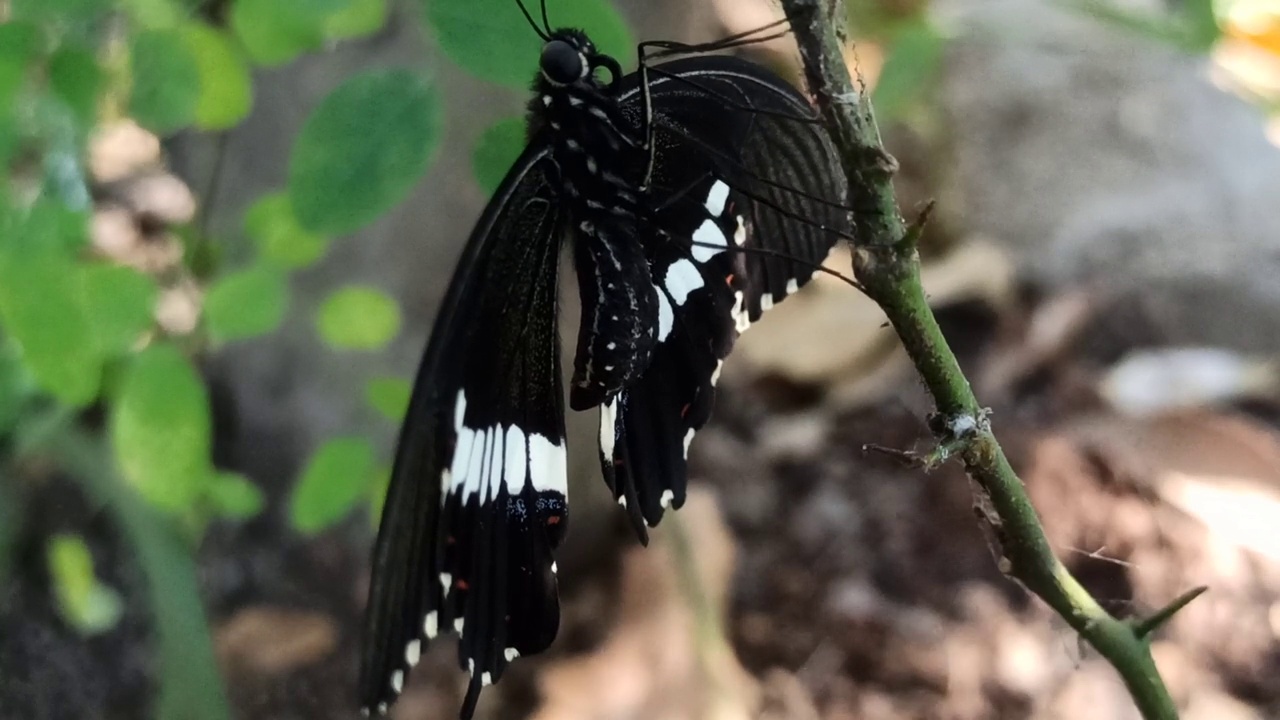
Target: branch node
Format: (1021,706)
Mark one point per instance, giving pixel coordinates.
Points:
(1145,628)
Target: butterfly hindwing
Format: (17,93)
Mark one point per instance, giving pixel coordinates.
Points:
(476,503)
(738,168)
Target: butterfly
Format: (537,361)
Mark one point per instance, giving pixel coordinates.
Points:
(694,195)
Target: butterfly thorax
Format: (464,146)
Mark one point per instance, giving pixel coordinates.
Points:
(597,159)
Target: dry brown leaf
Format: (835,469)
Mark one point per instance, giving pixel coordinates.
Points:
(274,641)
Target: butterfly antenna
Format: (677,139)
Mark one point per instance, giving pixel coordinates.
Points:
(545,24)
(545,35)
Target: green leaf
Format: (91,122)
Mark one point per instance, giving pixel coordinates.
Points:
(154,14)
(362,150)
(160,429)
(42,307)
(497,148)
(235,496)
(226,91)
(912,62)
(15,386)
(120,304)
(85,603)
(246,303)
(74,76)
(389,396)
(362,17)
(276,31)
(359,318)
(272,225)
(509,52)
(20,42)
(166,81)
(338,475)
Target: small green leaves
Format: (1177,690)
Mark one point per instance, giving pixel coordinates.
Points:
(497,148)
(160,428)
(271,223)
(246,303)
(119,303)
(234,497)
(509,54)
(339,474)
(42,310)
(389,396)
(359,318)
(225,87)
(276,31)
(74,76)
(362,150)
(86,604)
(166,81)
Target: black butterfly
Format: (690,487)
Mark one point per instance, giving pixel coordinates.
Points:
(695,194)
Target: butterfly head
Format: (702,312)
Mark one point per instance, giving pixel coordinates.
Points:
(570,58)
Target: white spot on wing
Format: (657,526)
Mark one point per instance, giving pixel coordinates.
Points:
(429,625)
(458,625)
(666,316)
(668,495)
(682,278)
(446,579)
(608,421)
(716,198)
(709,241)
(740,235)
(739,314)
(397,681)
(413,652)
(715,375)
(688,438)
(792,286)
(766,301)
(548,467)
(516,462)
(510,654)
(485,679)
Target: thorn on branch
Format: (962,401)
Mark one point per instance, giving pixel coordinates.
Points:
(1145,628)
(916,229)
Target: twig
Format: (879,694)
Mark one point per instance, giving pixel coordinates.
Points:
(887,264)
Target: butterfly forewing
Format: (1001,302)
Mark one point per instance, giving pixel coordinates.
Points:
(476,502)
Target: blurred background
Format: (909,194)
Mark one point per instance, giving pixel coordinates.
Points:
(226,226)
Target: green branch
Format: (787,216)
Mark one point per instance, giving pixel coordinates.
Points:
(887,265)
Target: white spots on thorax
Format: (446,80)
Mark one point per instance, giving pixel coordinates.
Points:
(668,495)
(611,345)
(572,144)
(546,100)
(708,241)
(575,101)
(413,652)
(591,165)
(608,425)
(486,460)
(682,278)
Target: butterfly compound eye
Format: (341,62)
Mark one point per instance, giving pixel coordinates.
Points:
(561,63)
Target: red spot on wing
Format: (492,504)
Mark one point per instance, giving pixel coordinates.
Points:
(462,584)
(553,520)
(684,410)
